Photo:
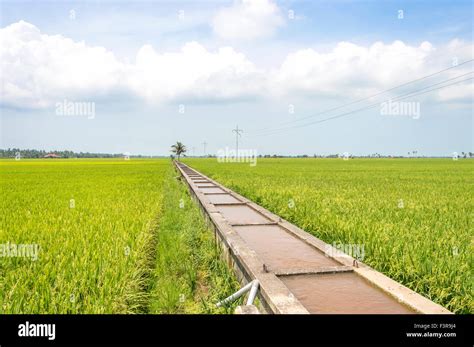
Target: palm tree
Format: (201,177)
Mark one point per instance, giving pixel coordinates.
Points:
(178,149)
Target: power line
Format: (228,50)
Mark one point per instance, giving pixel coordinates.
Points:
(366,98)
(237,132)
(375,104)
(401,97)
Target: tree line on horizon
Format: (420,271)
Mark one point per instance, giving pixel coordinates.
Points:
(34,153)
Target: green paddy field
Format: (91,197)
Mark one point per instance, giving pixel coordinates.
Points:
(123,236)
(413,217)
(112,238)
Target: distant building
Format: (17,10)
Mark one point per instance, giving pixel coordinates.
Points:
(52,155)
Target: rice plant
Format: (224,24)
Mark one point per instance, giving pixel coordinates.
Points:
(86,236)
(412,216)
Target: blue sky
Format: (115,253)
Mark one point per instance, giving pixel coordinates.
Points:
(233,62)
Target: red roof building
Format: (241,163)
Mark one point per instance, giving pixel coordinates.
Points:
(52,155)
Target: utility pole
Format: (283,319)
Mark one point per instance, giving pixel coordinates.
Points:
(204,144)
(194,148)
(237,132)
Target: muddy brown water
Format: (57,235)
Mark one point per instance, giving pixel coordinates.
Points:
(221,198)
(341,293)
(280,250)
(241,214)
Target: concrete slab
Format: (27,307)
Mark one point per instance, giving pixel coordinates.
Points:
(246,309)
(205,185)
(311,270)
(212,190)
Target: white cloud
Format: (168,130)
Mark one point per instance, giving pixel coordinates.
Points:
(357,71)
(193,72)
(39,70)
(247,19)
(36,67)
